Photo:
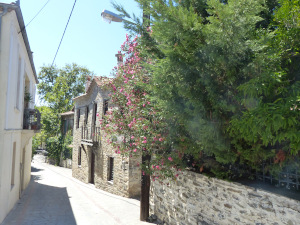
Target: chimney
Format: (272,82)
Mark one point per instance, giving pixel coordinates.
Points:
(119,58)
(87,83)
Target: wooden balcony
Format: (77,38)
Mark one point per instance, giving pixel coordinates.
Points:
(90,135)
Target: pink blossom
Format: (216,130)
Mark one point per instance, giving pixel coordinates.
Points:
(145,141)
(132,137)
(170,159)
(134,150)
(160,139)
(144,105)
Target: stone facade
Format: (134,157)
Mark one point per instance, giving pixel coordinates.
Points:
(195,199)
(96,161)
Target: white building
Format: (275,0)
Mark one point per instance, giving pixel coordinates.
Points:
(17,86)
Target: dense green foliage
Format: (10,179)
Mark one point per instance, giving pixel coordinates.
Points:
(58,146)
(57,87)
(226,76)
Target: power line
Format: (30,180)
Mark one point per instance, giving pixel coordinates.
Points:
(34,16)
(63,33)
(37,13)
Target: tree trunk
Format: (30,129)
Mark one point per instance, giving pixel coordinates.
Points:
(145,191)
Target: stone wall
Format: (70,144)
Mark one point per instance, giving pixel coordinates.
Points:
(66,163)
(126,181)
(195,199)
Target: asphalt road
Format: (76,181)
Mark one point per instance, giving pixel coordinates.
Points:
(55,197)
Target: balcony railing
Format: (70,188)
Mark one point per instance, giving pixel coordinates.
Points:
(32,119)
(90,133)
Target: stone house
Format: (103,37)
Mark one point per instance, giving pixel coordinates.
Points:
(19,121)
(67,120)
(94,159)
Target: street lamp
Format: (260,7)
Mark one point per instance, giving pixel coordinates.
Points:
(109,16)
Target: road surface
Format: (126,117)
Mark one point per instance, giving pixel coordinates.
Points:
(55,197)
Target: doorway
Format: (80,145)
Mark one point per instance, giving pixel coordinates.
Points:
(92,180)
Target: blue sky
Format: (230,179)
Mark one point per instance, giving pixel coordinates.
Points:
(89,41)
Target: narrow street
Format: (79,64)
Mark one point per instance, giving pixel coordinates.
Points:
(55,197)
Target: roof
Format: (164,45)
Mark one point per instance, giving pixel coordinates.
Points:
(16,7)
(99,81)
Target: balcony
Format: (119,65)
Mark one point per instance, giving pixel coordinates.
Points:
(90,135)
(32,120)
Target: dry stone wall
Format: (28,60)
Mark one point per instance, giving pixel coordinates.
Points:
(195,199)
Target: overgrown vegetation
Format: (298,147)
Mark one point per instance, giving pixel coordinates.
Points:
(226,78)
(57,87)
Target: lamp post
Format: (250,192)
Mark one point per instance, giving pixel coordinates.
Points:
(109,16)
(145,178)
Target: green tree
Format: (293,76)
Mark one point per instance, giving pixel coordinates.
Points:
(205,60)
(57,88)
(270,124)
(224,77)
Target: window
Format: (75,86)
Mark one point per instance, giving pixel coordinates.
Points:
(105,107)
(86,115)
(79,156)
(13,164)
(18,85)
(95,114)
(110,176)
(78,118)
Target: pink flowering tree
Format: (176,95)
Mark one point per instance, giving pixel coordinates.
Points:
(134,124)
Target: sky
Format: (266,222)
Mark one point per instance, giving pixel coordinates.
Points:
(89,41)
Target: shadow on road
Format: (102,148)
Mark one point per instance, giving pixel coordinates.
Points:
(42,204)
(34,169)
